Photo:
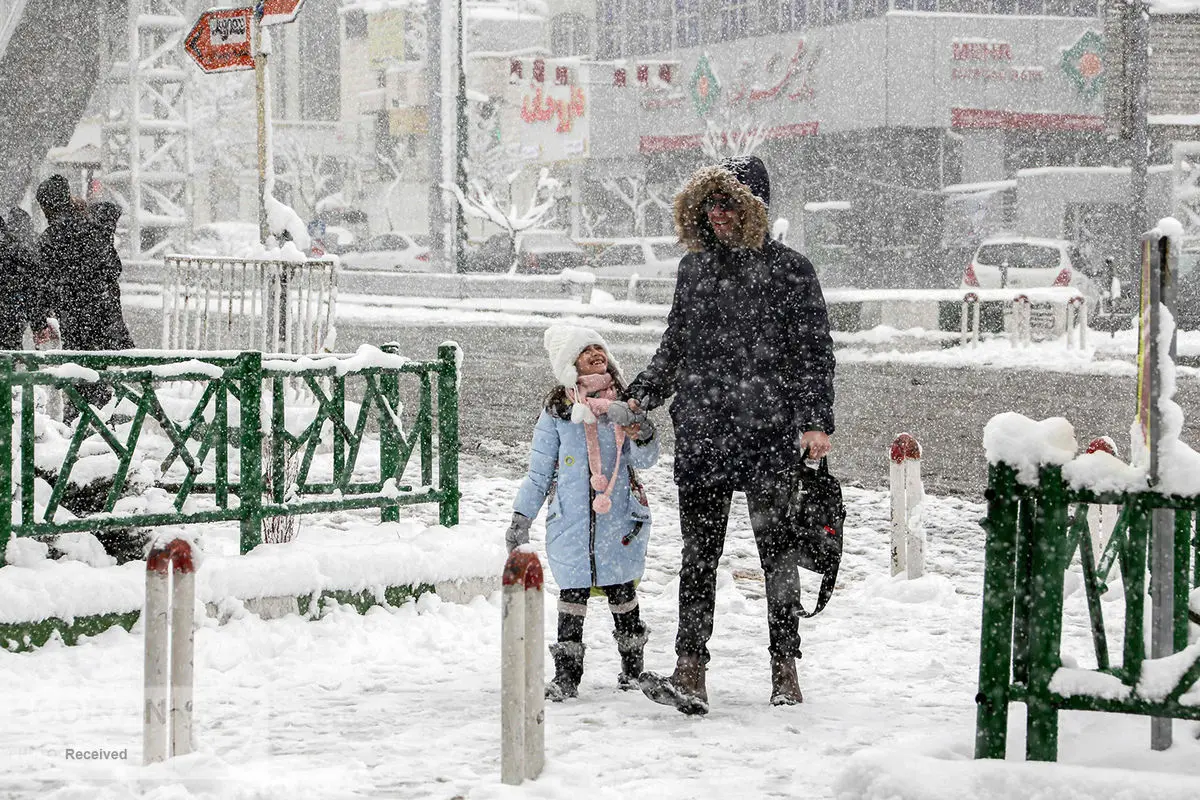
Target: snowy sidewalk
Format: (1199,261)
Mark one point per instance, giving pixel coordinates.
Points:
(404,703)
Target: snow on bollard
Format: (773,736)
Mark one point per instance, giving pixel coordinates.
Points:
(1076,324)
(1102,519)
(170,651)
(908,496)
(1022,321)
(522,676)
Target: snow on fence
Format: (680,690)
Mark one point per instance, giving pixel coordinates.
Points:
(908,497)
(522,676)
(274,306)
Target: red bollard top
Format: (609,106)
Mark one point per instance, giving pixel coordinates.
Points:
(905,448)
(176,554)
(1103,443)
(1021,298)
(970,297)
(523,568)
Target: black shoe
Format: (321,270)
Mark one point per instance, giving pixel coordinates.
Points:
(568,671)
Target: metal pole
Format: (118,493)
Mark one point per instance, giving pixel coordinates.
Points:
(460,147)
(260,86)
(1162,530)
(433,79)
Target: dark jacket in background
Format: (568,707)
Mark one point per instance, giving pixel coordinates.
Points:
(747,353)
(83,272)
(21,280)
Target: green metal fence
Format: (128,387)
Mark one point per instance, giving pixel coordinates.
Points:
(220,440)
(1033,533)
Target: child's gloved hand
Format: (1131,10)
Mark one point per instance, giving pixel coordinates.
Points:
(518,531)
(620,414)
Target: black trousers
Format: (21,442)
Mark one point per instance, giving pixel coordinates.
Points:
(703,519)
(622,602)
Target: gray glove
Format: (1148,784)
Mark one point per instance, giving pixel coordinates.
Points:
(619,414)
(646,432)
(518,531)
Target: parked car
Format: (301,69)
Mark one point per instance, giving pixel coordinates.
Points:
(653,257)
(1021,262)
(494,254)
(231,238)
(548,252)
(393,250)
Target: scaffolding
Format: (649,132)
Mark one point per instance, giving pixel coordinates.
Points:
(147,132)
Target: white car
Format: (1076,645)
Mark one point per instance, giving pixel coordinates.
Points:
(1023,262)
(392,250)
(232,239)
(652,257)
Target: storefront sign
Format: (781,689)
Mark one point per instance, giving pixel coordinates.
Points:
(1083,63)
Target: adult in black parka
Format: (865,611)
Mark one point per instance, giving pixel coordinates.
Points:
(21,280)
(748,357)
(83,270)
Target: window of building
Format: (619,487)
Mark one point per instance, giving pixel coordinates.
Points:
(733,19)
(687,23)
(1029,7)
(570,35)
(611,22)
(655,26)
(792,15)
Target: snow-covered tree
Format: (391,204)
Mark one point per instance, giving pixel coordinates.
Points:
(480,201)
(305,166)
(638,195)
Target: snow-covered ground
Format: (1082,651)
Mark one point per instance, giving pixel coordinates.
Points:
(404,702)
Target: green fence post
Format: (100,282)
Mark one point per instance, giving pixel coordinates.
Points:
(26,467)
(448,433)
(389,439)
(250,481)
(1023,606)
(1045,621)
(1183,531)
(1133,576)
(995,642)
(6,459)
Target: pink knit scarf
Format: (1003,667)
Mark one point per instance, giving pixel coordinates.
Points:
(592,395)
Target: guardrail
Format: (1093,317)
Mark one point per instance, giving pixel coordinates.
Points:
(244,303)
(213,440)
(1033,533)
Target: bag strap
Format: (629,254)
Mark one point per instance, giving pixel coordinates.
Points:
(826,591)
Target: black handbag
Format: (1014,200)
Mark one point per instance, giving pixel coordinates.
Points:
(815,521)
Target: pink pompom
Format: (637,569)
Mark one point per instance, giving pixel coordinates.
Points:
(602,504)
(599,483)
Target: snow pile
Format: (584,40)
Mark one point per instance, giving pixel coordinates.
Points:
(1161,675)
(1104,472)
(881,775)
(1073,682)
(1178,464)
(1025,444)
(320,558)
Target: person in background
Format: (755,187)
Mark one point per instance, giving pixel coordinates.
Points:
(748,357)
(82,277)
(20,280)
(586,446)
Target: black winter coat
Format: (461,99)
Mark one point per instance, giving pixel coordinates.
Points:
(747,356)
(21,283)
(83,282)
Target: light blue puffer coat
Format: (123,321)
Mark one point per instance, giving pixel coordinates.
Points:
(584,547)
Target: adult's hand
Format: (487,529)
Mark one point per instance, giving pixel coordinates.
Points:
(817,443)
(634,405)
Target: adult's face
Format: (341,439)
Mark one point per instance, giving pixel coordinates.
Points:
(724,217)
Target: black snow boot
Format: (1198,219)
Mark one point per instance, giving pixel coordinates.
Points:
(631,646)
(568,671)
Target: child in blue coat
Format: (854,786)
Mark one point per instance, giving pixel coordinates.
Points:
(585,447)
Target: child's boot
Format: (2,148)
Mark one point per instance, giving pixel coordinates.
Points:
(631,646)
(568,671)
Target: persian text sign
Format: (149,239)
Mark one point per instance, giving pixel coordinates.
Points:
(553,117)
(278,12)
(220,40)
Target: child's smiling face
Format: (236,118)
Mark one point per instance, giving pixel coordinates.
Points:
(592,361)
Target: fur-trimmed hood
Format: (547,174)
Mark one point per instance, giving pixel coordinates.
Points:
(691,222)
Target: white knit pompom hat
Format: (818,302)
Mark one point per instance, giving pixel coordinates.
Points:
(564,343)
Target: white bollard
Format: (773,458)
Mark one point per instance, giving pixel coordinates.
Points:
(1076,324)
(522,674)
(170,652)
(1102,519)
(1022,321)
(908,496)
